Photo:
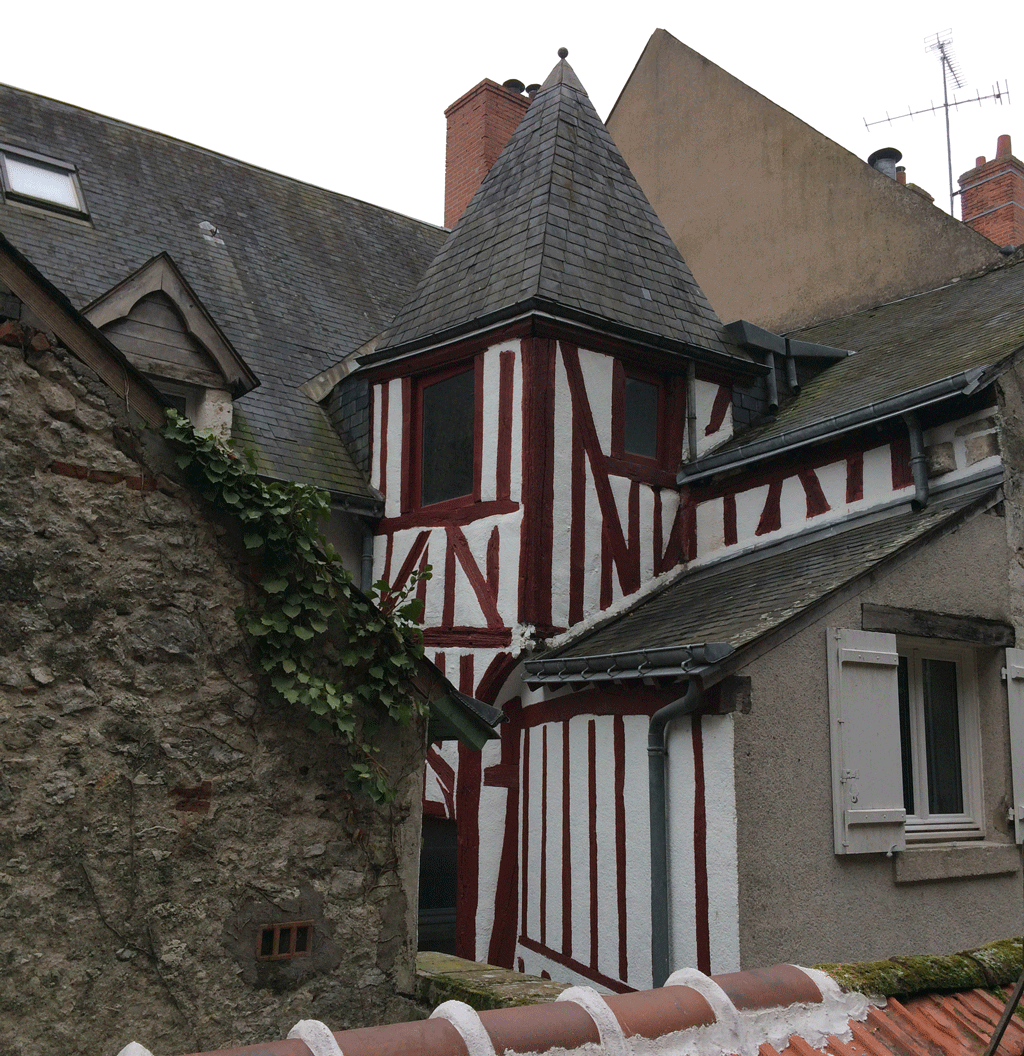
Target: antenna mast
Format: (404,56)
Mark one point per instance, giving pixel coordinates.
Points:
(943,44)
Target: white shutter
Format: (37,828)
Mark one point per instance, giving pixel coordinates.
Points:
(1015,702)
(864,730)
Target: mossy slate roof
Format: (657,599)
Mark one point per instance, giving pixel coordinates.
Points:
(906,344)
(303,275)
(560,225)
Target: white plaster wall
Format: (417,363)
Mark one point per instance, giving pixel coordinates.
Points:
(638,854)
(391,481)
(607,889)
(579,827)
(562,511)
(679,794)
(706,392)
(877,475)
(722,861)
(597,377)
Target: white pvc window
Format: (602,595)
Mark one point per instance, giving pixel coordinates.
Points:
(41,181)
(940,741)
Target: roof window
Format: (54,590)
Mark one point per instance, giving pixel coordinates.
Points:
(38,180)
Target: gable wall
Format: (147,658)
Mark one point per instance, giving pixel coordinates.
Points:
(154,810)
(801,902)
(812,231)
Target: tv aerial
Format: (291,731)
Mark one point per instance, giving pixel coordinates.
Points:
(942,44)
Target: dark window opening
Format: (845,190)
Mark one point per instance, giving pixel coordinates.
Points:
(640,418)
(278,942)
(438,857)
(447,430)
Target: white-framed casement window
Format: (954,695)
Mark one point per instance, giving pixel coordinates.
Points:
(905,737)
(940,740)
(36,179)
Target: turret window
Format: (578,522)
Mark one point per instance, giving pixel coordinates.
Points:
(447,432)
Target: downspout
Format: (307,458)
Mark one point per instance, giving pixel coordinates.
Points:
(918,461)
(772,383)
(691,412)
(366,573)
(791,379)
(657,763)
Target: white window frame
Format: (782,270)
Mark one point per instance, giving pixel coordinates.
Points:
(970,823)
(41,161)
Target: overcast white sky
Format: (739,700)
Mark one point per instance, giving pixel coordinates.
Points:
(351,96)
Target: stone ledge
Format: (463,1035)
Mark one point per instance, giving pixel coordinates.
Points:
(442,977)
(953,860)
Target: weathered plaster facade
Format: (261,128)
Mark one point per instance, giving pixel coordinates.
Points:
(811,230)
(156,811)
(866,906)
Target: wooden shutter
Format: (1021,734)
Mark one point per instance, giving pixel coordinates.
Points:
(1015,702)
(864,730)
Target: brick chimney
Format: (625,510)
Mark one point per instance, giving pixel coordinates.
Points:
(480,123)
(992,197)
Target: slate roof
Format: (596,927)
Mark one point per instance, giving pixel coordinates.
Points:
(560,225)
(905,345)
(301,276)
(739,599)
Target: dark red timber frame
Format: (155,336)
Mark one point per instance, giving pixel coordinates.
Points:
(671,423)
(412,432)
(533,724)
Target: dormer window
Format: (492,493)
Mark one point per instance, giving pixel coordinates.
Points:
(35,179)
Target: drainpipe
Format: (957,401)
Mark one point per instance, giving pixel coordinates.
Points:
(691,412)
(773,385)
(918,461)
(791,378)
(657,763)
(366,573)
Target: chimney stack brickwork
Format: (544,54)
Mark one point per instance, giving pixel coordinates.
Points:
(480,123)
(992,197)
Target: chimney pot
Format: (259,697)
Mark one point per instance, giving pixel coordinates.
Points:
(1003,147)
(979,161)
(884,161)
(901,175)
(514,86)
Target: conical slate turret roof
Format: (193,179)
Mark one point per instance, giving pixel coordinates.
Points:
(560,226)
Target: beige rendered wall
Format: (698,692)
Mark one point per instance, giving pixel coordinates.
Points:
(799,901)
(779,224)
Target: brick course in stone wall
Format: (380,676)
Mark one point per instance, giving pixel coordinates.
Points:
(155,810)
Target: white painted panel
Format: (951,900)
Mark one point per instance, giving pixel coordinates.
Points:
(553,858)
(489,420)
(864,729)
(597,379)
(707,392)
(646,534)
(516,475)
(682,875)
(392,488)
(792,503)
(832,479)
(510,538)
(493,802)
(375,425)
(669,508)
(562,511)
(749,506)
(534,816)
(723,868)
(607,877)
(877,475)
(638,855)
(594,543)
(579,852)
(710,526)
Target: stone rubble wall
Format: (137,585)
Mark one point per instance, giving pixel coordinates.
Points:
(155,810)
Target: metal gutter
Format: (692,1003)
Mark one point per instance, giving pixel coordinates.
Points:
(674,661)
(962,384)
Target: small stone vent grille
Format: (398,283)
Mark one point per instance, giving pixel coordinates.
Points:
(279,942)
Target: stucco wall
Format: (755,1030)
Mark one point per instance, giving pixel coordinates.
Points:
(779,224)
(154,809)
(801,902)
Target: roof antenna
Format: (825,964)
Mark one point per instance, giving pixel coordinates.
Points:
(943,44)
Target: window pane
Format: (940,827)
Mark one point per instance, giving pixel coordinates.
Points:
(40,181)
(640,432)
(942,737)
(903,681)
(447,439)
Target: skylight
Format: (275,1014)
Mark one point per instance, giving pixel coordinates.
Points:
(38,180)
